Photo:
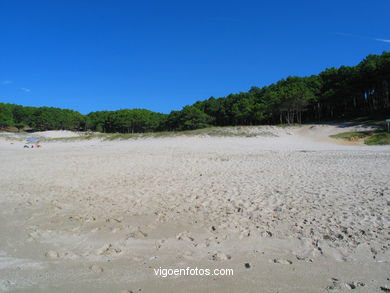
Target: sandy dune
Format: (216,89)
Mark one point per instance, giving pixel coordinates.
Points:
(291,212)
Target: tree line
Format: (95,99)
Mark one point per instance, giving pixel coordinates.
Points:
(40,118)
(336,93)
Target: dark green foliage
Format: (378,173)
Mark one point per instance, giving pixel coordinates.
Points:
(43,118)
(6,116)
(336,93)
(125,121)
(189,118)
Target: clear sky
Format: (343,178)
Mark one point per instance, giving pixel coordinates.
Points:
(162,55)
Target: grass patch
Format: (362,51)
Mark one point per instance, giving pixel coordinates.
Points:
(220,131)
(106,136)
(374,137)
(353,135)
(378,139)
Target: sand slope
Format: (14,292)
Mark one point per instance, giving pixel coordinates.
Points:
(307,213)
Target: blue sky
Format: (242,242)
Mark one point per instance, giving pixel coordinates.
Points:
(162,55)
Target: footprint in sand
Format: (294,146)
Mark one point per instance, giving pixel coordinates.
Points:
(96,269)
(160,243)
(52,254)
(335,284)
(108,249)
(138,233)
(282,261)
(185,236)
(220,256)
(354,285)
(304,258)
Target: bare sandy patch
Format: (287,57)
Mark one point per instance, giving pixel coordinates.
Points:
(289,212)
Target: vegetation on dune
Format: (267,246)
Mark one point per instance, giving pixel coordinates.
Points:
(336,93)
(353,135)
(374,137)
(209,131)
(378,139)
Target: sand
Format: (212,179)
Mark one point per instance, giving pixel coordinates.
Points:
(295,211)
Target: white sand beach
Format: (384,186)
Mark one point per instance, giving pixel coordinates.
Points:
(291,211)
